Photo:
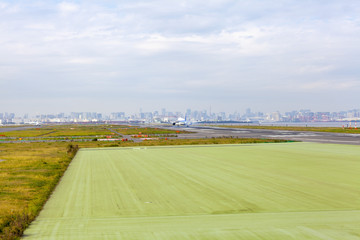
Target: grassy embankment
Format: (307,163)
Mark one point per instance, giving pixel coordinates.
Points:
(67,132)
(28,174)
(31,171)
(59,131)
(293,128)
(149,132)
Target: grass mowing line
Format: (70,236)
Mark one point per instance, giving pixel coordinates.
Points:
(287,191)
(216,227)
(355,211)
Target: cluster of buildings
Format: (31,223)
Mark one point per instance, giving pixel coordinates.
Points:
(304,115)
(164,116)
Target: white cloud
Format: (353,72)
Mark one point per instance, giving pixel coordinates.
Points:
(3,5)
(67,7)
(330,85)
(313,68)
(83,60)
(195,47)
(40,26)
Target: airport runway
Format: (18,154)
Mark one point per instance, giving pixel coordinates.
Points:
(319,137)
(9,129)
(209,132)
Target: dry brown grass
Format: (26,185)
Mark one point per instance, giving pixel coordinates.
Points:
(28,175)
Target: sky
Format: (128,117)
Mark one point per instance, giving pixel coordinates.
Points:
(120,56)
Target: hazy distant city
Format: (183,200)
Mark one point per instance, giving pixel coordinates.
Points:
(166,116)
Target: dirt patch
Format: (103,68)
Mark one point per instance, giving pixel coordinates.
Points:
(2,160)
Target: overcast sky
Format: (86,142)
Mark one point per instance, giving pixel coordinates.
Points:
(108,56)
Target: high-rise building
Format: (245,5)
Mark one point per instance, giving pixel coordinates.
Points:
(117,115)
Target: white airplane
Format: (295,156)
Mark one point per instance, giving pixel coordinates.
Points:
(182,122)
(33,123)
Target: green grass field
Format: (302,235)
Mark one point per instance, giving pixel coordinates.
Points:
(262,191)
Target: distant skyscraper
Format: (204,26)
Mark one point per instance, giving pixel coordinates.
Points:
(188,112)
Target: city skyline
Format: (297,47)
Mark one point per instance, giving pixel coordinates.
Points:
(160,110)
(165,116)
(207,109)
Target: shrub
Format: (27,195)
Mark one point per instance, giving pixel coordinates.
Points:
(72,149)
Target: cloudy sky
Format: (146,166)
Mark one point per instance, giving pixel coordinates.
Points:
(105,56)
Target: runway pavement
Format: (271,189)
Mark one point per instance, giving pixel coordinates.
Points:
(9,129)
(306,136)
(209,132)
